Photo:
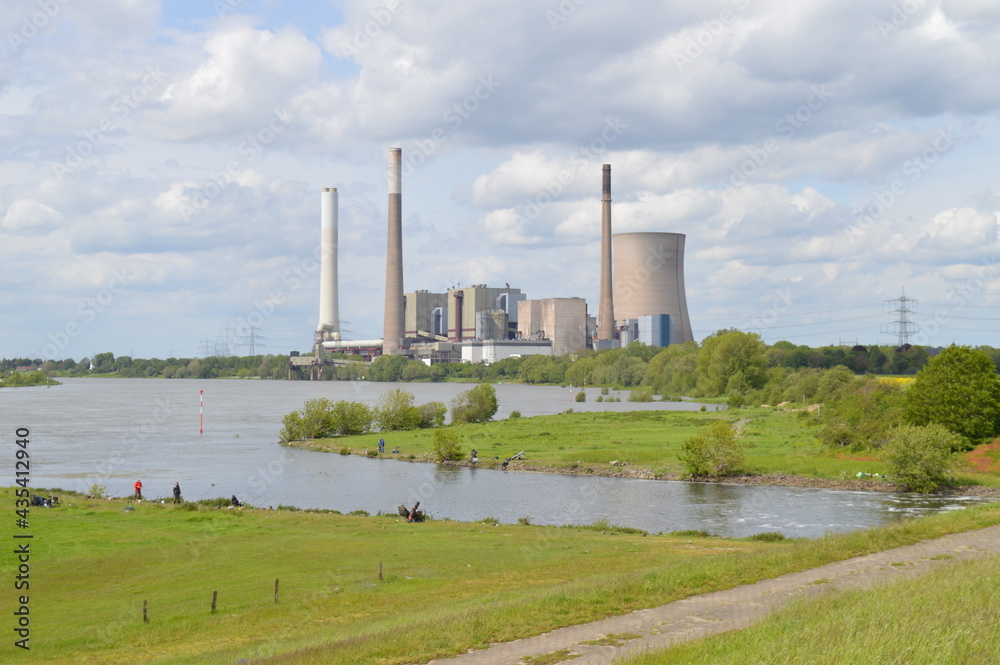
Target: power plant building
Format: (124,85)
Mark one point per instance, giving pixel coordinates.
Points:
(649,281)
(426,315)
(465,304)
(562,320)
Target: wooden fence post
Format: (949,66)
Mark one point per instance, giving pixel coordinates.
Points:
(145,616)
(275,589)
(215,597)
(380,571)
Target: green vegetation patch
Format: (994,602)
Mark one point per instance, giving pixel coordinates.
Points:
(366,589)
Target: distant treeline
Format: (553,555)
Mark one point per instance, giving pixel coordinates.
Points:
(728,363)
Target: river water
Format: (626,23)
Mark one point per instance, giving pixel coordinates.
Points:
(114,431)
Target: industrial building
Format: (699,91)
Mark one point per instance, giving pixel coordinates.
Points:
(642,299)
(649,281)
(562,320)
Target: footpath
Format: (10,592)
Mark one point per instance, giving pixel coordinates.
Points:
(721,611)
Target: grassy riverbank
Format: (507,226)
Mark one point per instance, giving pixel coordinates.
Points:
(446,587)
(892,623)
(782,446)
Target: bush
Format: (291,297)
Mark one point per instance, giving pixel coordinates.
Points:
(431,415)
(714,452)
(922,458)
(641,395)
(446,445)
(477,405)
(395,411)
(515,414)
(580,396)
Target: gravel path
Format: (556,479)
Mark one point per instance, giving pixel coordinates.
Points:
(708,614)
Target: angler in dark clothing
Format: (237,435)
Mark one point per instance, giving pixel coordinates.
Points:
(177,492)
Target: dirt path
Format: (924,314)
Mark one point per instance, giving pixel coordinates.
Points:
(711,613)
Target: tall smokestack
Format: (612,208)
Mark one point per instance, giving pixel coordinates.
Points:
(606,312)
(329,317)
(392,337)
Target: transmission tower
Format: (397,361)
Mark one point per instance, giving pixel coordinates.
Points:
(252,339)
(903,310)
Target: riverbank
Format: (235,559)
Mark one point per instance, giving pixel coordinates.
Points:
(781,449)
(310,587)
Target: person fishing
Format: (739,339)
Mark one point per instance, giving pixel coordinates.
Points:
(138,490)
(177,492)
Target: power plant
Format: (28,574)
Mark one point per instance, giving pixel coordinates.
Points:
(649,282)
(641,298)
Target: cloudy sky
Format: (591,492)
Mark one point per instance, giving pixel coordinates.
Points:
(162,161)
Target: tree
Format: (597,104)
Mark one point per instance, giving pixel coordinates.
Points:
(474,406)
(922,458)
(726,353)
(446,445)
(350,418)
(314,421)
(387,368)
(395,411)
(960,390)
(714,452)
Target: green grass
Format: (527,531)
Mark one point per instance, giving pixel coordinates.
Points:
(946,617)
(447,587)
(778,441)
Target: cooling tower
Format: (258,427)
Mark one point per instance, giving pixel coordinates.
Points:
(394,300)
(606,310)
(329,318)
(649,279)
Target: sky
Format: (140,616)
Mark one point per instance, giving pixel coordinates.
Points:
(161,163)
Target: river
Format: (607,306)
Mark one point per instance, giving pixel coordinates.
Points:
(114,431)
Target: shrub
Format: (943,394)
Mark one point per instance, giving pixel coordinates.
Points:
(715,451)
(641,395)
(97,491)
(431,414)
(580,396)
(922,458)
(514,415)
(524,521)
(477,405)
(395,411)
(447,445)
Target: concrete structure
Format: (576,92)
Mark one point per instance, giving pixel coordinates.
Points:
(329,318)
(654,329)
(649,280)
(494,350)
(466,302)
(393,332)
(606,309)
(562,320)
(426,315)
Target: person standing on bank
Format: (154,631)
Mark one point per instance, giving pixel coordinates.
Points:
(177,492)
(138,490)
(381,445)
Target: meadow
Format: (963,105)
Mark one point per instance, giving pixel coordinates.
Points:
(946,617)
(778,441)
(366,589)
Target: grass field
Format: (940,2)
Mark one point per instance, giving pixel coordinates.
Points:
(779,441)
(446,586)
(947,617)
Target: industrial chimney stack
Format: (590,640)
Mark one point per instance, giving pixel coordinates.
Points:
(329,318)
(606,312)
(392,338)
